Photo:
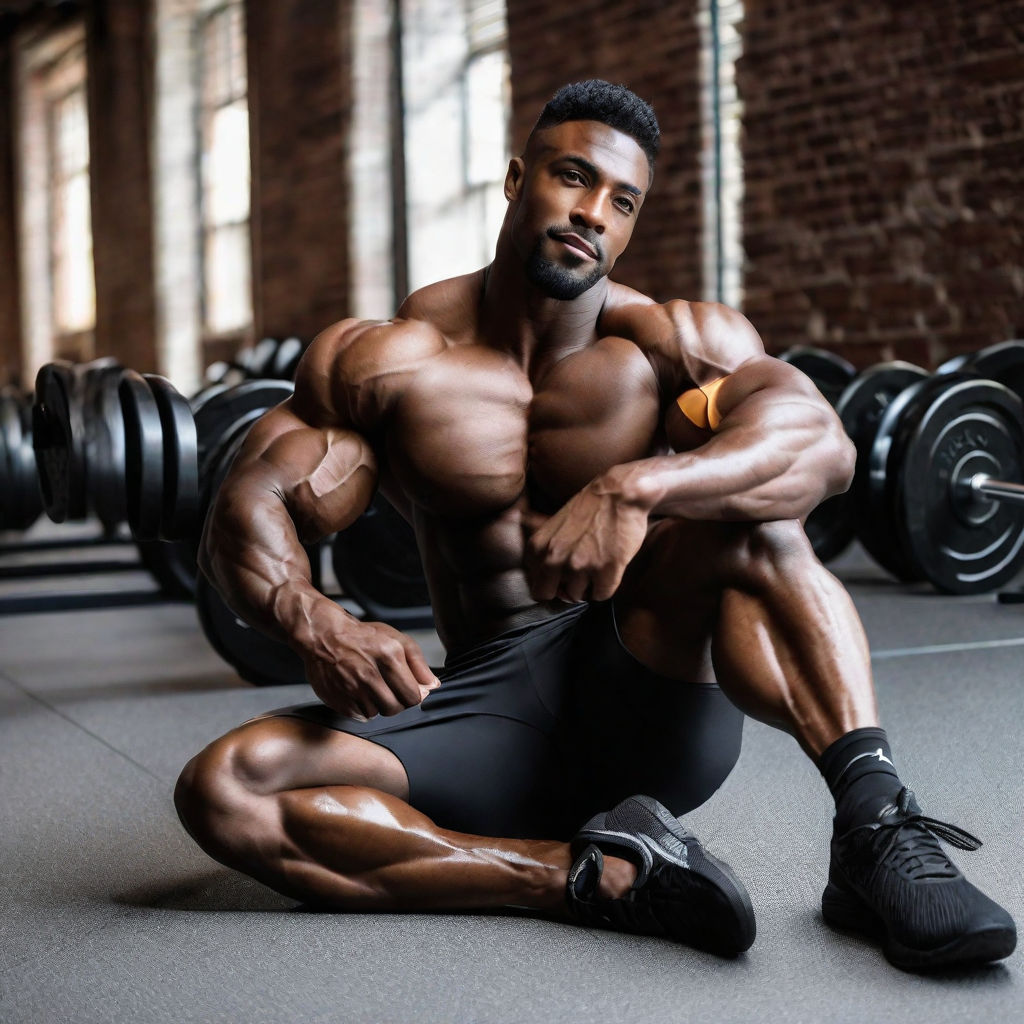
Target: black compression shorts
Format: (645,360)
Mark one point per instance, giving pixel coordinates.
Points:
(534,731)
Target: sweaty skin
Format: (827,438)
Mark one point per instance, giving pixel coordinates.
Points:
(536,444)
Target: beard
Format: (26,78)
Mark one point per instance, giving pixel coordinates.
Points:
(556,281)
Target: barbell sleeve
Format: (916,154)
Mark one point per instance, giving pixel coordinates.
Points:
(1002,490)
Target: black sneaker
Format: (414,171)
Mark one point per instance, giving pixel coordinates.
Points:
(890,880)
(681,892)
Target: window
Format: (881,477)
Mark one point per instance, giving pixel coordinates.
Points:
(224,175)
(74,292)
(456,92)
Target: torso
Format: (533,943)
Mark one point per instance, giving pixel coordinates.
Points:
(470,440)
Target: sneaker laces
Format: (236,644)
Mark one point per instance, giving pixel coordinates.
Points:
(910,844)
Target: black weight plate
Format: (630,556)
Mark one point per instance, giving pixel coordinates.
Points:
(860,409)
(377,562)
(1003,363)
(218,410)
(254,656)
(830,373)
(876,523)
(172,564)
(829,528)
(953,365)
(286,359)
(262,358)
(20,500)
(179,518)
(144,456)
(58,441)
(104,444)
(964,543)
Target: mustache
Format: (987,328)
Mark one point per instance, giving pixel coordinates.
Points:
(590,237)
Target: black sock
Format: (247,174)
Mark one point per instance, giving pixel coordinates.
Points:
(860,772)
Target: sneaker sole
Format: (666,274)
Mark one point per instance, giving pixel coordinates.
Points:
(845,911)
(718,916)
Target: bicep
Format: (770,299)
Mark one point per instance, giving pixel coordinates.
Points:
(325,477)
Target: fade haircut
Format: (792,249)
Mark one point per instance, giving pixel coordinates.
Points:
(614,105)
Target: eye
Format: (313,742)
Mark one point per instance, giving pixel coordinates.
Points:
(573,176)
(624,204)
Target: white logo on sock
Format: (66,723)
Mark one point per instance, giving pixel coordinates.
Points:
(875,753)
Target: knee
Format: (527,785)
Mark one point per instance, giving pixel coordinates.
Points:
(218,788)
(770,551)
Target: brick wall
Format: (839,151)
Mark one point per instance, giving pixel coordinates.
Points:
(300,107)
(120,102)
(653,48)
(884,167)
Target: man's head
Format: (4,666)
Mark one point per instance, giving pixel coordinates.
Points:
(613,105)
(575,192)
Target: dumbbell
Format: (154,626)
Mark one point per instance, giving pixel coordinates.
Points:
(945,482)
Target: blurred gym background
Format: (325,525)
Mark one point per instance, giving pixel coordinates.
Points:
(179,178)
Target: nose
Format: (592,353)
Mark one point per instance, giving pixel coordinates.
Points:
(588,213)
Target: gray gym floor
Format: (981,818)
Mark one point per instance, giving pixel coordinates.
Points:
(111,914)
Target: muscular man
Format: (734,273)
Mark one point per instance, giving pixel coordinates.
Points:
(607,495)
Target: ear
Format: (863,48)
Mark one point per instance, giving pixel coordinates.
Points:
(514,177)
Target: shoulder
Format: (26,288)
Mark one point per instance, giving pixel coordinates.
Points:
(355,368)
(689,343)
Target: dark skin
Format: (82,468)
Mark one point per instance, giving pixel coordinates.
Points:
(535,444)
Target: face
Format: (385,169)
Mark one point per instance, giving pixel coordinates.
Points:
(574,198)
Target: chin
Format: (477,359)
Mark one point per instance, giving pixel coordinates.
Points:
(557,282)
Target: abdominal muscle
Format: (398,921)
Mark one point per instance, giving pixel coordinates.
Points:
(477,579)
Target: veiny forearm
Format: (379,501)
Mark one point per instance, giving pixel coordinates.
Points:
(774,457)
(252,553)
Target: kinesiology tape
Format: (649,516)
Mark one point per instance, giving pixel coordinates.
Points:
(700,405)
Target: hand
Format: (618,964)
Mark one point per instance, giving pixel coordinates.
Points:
(362,669)
(581,552)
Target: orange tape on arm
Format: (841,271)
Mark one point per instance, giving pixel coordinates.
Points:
(700,405)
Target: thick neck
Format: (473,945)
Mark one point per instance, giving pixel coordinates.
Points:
(516,317)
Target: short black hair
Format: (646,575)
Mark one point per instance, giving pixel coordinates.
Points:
(614,105)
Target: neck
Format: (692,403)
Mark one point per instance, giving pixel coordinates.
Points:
(518,318)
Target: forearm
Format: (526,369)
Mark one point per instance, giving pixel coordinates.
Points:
(252,553)
(774,456)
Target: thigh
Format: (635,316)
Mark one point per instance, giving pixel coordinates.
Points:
(274,753)
(635,731)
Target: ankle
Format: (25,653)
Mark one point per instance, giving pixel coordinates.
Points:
(617,878)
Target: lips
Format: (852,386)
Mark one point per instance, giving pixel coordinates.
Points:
(575,242)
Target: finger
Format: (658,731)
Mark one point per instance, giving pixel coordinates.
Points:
(531,521)
(381,692)
(421,670)
(543,574)
(574,587)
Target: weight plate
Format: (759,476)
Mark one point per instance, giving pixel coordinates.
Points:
(286,359)
(377,562)
(104,443)
(144,456)
(172,564)
(262,358)
(215,411)
(876,523)
(965,543)
(58,441)
(254,656)
(860,409)
(180,513)
(1003,363)
(830,373)
(20,501)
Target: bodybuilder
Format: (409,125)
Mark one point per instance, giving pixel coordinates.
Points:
(607,494)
